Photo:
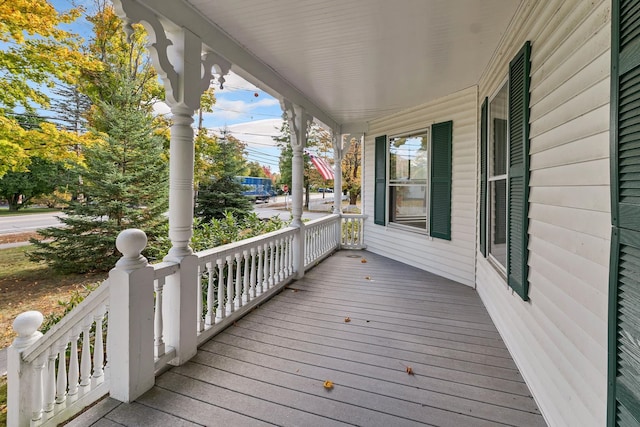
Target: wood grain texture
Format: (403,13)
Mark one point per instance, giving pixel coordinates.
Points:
(269,368)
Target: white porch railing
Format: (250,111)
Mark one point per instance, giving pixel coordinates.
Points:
(234,278)
(54,376)
(321,238)
(352,233)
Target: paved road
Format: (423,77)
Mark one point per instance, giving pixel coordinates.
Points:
(29,222)
(32,222)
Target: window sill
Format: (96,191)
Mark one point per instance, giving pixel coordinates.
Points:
(498,267)
(413,230)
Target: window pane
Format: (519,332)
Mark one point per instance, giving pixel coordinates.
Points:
(408,205)
(408,159)
(498,220)
(498,133)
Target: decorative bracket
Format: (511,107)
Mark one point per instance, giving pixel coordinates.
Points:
(177,55)
(210,61)
(299,123)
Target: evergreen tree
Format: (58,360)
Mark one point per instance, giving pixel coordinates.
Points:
(125,181)
(71,107)
(125,184)
(223,192)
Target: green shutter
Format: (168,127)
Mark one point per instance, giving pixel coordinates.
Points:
(380,193)
(624,279)
(483,177)
(440,206)
(518,179)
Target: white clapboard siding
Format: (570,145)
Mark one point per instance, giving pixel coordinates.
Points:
(453,259)
(559,338)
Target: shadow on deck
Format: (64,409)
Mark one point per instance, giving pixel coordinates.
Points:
(269,368)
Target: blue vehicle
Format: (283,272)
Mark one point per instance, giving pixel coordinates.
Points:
(257,189)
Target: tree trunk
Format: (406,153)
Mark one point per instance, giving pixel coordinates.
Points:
(13,202)
(306,195)
(353,197)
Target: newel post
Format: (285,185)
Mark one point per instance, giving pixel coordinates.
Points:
(23,378)
(131,305)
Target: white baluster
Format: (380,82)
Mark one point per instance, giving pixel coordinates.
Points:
(290,251)
(36,398)
(158,322)
(252,279)
(74,369)
(283,265)
(354,231)
(265,272)
(98,349)
(230,291)
(199,317)
(85,359)
(220,311)
(238,279)
(276,250)
(260,271)
(211,319)
(50,381)
(61,384)
(246,287)
(272,263)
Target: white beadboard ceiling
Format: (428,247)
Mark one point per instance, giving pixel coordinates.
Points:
(357,60)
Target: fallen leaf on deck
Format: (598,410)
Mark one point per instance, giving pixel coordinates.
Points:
(409,370)
(328,385)
(347,319)
(367,277)
(363,260)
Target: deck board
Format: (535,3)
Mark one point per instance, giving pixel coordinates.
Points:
(269,367)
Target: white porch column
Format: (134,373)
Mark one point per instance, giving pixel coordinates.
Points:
(299,122)
(185,66)
(338,154)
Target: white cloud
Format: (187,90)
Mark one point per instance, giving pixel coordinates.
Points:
(161,108)
(232,83)
(226,109)
(257,133)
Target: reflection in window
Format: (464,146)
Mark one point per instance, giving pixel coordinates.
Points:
(498,109)
(408,176)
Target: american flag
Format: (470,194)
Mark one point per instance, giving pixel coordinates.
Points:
(322,166)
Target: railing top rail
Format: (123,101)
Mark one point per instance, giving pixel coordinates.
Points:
(96,298)
(233,247)
(324,219)
(353,215)
(165,269)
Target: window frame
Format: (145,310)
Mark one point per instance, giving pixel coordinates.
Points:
(502,268)
(427,181)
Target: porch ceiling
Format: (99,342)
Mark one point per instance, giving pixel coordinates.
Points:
(360,59)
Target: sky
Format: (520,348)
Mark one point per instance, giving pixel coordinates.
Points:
(250,114)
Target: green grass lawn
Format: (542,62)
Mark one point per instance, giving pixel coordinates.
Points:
(3,401)
(27,285)
(4,211)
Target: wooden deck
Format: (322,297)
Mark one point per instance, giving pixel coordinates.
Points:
(270,367)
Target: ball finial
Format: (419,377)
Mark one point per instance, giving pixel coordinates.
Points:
(27,323)
(131,242)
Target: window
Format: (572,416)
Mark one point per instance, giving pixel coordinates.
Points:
(419,180)
(504,175)
(408,179)
(497,214)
